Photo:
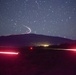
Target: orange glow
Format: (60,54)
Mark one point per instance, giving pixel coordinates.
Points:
(15,53)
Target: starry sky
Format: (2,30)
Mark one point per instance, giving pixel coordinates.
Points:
(47,17)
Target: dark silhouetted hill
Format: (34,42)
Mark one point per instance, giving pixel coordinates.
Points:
(31,39)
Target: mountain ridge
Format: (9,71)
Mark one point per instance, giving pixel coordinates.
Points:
(31,39)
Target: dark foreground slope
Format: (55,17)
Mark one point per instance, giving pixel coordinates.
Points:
(39,62)
(30,39)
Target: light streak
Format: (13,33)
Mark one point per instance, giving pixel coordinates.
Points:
(15,53)
(62,49)
(28,29)
(70,49)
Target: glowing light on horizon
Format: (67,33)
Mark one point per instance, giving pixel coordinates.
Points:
(45,45)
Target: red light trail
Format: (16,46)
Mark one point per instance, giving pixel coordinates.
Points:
(14,53)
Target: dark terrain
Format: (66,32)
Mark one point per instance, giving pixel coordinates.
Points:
(39,60)
(31,39)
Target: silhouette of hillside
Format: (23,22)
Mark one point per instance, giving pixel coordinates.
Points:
(31,39)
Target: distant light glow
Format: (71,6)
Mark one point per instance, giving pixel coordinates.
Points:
(15,53)
(45,45)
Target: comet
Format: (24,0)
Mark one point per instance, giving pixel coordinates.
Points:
(29,30)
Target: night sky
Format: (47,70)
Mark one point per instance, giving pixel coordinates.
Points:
(47,17)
